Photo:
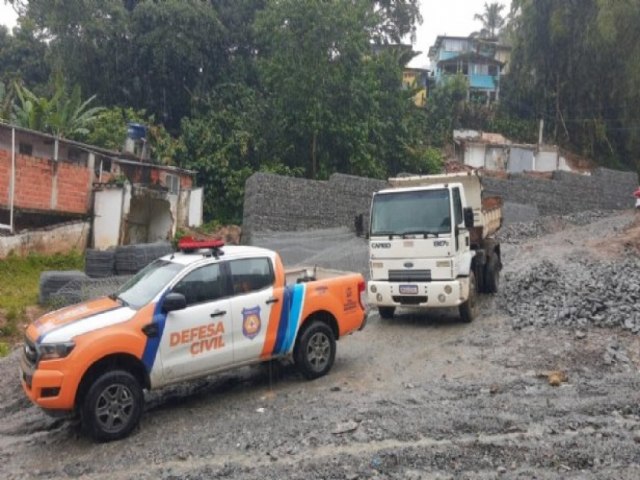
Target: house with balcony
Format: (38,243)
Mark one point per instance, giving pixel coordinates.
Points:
(483,61)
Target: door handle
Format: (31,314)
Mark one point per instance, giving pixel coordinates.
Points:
(218,313)
(272,300)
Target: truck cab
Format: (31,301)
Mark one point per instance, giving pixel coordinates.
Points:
(429,247)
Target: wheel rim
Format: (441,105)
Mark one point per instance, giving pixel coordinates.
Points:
(114,407)
(318,351)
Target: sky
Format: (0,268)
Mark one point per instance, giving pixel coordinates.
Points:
(440,17)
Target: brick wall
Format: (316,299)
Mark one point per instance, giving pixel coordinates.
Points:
(277,203)
(45,185)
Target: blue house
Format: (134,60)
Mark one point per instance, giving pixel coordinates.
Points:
(481,60)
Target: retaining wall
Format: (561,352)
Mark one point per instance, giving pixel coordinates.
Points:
(277,203)
(56,239)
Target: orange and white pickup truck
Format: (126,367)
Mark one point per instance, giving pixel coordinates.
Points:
(202,310)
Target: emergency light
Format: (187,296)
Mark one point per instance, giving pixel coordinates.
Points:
(189,244)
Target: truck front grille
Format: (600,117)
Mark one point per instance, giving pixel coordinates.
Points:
(409,275)
(410,300)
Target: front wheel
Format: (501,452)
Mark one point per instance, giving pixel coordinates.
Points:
(112,406)
(386,312)
(315,350)
(469,309)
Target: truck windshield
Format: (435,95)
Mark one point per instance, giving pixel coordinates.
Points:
(413,212)
(147,283)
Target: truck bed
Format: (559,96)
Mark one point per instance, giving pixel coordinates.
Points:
(300,274)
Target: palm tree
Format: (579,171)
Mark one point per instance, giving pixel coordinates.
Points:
(492,19)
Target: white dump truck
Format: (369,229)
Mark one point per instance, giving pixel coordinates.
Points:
(431,244)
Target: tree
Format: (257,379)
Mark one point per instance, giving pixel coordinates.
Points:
(491,18)
(65,114)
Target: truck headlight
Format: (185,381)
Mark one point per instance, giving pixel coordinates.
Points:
(52,351)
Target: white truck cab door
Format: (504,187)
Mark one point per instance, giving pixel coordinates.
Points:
(251,305)
(199,338)
(461,233)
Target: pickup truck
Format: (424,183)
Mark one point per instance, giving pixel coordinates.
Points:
(199,311)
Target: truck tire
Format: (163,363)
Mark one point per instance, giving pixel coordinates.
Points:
(492,275)
(386,312)
(112,407)
(469,309)
(315,350)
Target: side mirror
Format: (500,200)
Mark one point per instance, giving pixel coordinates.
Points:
(174,301)
(468,217)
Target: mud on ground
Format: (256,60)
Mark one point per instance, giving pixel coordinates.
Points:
(420,396)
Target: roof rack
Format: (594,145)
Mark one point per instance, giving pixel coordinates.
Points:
(190,245)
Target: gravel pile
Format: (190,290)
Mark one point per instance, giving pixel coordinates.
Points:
(580,293)
(52,281)
(130,259)
(518,232)
(99,264)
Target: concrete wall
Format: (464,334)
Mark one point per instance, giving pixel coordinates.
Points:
(276,203)
(61,239)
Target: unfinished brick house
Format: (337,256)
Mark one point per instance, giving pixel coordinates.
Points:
(61,192)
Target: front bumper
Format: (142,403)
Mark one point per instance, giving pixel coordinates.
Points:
(49,389)
(427,294)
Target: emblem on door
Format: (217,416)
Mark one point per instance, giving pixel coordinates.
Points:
(251,322)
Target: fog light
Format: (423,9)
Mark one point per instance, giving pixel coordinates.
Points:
(442,298)
(448,289)
(379,297)
(373,289)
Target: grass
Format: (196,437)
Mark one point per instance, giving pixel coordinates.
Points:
(19,284)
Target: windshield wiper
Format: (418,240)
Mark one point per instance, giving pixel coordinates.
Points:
(385,233)
(114,296)
(425,233)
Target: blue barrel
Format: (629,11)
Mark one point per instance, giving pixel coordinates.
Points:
(136,131)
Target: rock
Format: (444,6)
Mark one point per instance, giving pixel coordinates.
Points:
(557,377)
(345,427)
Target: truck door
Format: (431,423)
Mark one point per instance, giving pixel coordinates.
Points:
(460,232)
(254,297)
(199,338)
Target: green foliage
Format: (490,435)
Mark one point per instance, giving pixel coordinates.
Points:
(586,91)
(492,19)
(109,131)
(65,114)
(22,291)
(444,110)
(5,349)
(223,145)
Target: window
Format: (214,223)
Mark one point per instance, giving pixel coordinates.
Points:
(411,212)
(251,274)
(202,285)
(25,149)
(147,283)
(457,206)
(173,183)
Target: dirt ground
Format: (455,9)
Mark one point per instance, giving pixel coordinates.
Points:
(420,396)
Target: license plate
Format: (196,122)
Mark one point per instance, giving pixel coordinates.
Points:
(408,289)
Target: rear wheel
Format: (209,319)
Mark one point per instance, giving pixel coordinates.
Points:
(386,312)
(492,275)
(469,309)
(112,406)
(315,350)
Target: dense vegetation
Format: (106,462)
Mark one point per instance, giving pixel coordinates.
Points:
(310,87)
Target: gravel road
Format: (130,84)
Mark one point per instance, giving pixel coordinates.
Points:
(420,396)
